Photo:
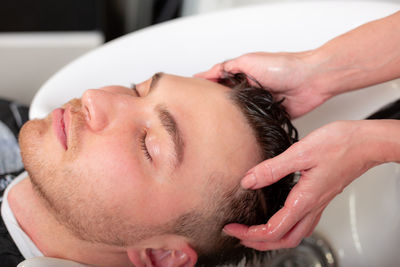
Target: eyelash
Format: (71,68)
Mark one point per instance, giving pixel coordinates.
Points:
(144,147)
(133,86)
(143,137)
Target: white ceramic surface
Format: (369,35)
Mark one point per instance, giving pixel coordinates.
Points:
(363,223)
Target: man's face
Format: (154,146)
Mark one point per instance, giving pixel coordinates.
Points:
(138,160)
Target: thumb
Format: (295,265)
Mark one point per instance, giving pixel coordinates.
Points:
(272,170)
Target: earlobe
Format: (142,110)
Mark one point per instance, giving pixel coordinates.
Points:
(184,256)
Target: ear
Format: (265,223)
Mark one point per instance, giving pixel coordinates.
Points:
(166,254)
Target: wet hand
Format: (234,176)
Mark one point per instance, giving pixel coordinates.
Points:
(287,75)
(329,159)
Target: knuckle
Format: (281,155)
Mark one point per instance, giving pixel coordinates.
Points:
(229,65)
(301,203)
(243,59)
(310,198)
(303,154)
(265,169)
(219,67)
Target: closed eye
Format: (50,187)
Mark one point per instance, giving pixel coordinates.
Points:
(144,147)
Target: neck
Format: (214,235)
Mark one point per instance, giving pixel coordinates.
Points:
(52,238)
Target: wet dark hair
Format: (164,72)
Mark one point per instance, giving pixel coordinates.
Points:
(274,133)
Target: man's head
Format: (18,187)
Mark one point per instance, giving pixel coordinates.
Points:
(141,168)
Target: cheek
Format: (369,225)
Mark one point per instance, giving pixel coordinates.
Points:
(107,178)
(103,152)
(108,162)
(113,174)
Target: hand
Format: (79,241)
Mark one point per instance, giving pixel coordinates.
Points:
(329,159)
(287,75)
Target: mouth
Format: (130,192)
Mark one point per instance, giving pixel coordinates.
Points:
(60,126)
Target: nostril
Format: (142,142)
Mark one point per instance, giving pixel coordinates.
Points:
(88,104)
(95,105)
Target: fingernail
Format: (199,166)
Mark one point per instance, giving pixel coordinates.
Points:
(249,180)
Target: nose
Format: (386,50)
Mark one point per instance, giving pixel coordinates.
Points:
(96,105)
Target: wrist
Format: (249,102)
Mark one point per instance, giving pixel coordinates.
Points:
(335,73)
(317,79)
(382,141)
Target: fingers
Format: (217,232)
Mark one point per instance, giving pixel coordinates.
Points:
(281,223)
(290,240)
(297,207)
(243,232)
(277,227)
(316,221)
(272,170)
(212,74)
(218,70)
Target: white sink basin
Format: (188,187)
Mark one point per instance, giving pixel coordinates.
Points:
(362,225)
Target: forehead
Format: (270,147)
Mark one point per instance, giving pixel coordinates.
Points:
(217,137)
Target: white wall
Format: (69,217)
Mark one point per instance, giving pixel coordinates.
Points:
(27,60)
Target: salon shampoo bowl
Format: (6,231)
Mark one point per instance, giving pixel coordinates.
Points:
(362,225)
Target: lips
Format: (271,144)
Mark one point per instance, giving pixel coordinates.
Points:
(59,126)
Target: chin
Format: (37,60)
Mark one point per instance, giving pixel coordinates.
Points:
(31,142)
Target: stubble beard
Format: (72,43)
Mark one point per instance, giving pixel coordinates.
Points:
(58,187)
(55,183)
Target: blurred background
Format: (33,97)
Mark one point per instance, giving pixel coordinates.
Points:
(37,38)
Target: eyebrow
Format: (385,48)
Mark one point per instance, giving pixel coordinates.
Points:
(169,123)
